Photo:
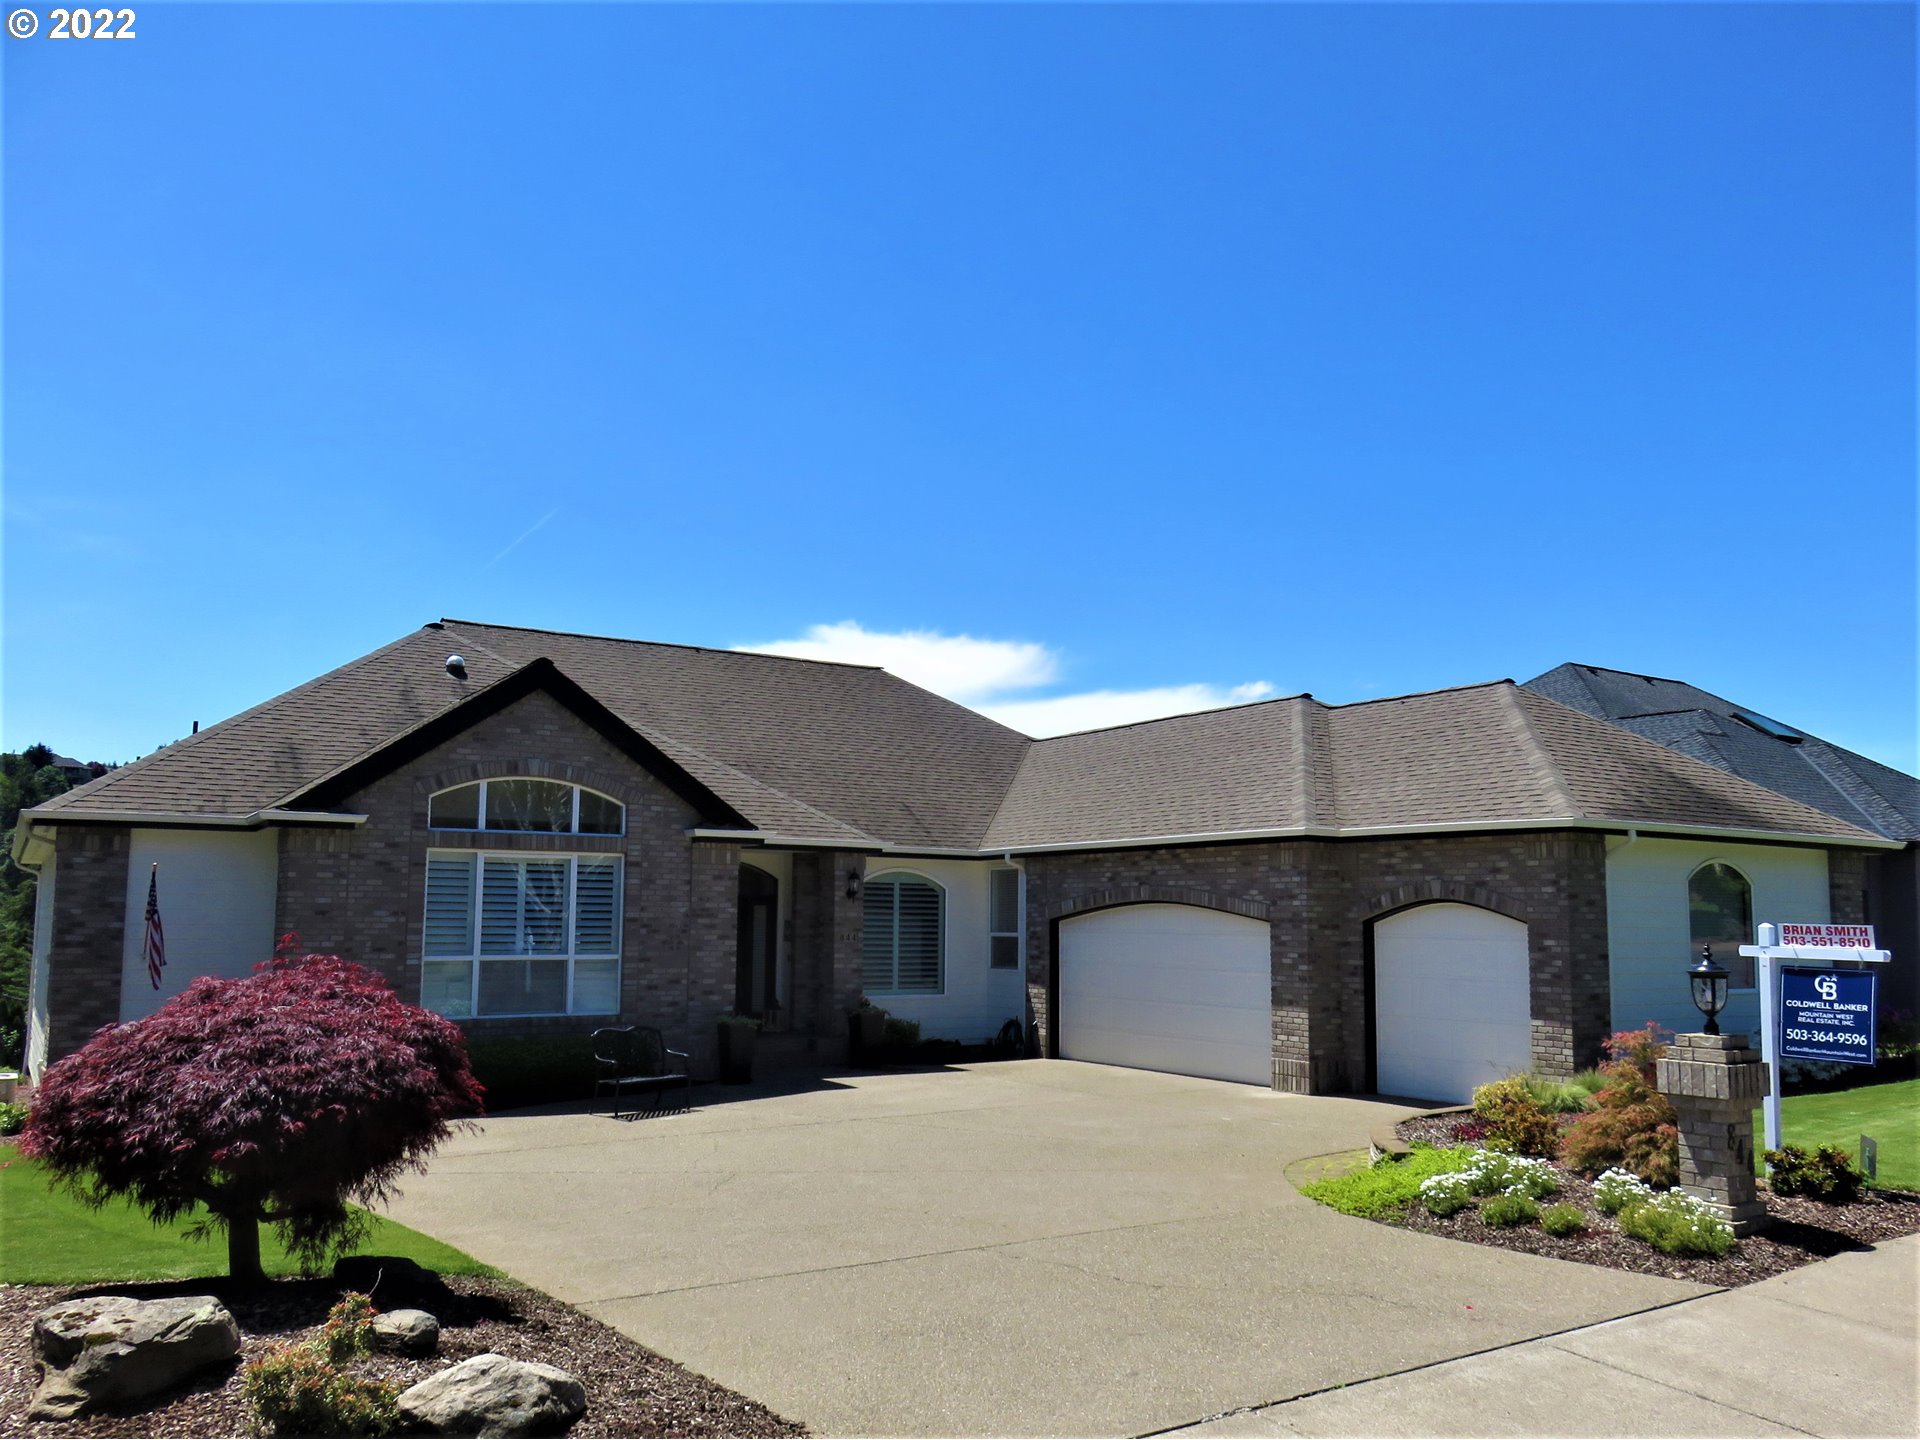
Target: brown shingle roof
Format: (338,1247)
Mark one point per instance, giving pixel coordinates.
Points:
(850,755)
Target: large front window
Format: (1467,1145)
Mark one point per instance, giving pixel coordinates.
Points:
(521,935)
(904,951)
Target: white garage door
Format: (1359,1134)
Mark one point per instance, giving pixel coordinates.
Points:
(1450,1001)
(1168,987)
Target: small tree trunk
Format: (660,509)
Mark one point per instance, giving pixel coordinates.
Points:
(243,1250)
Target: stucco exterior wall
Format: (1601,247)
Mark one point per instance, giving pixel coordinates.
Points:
(1651,940)
(977,999)
(216,909)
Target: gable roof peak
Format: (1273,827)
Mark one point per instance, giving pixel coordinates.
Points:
(445,621)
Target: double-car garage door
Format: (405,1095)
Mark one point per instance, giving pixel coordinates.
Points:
(1189,991)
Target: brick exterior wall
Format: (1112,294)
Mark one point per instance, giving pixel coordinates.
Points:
(89,934)
(360,893)
(827,931)
(1319,898)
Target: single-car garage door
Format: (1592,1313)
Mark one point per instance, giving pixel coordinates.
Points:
(1450,1001)
(1168,987)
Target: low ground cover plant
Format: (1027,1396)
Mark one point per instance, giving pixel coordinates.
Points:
(1505,1210)
(1563,1219)
(1381,1189)
(1828,1174)
(13,1117)
(1615,1190)
(305,1388)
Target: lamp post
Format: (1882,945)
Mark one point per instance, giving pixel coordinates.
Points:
(1709,988)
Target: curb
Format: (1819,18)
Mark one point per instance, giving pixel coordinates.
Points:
(1387,1143)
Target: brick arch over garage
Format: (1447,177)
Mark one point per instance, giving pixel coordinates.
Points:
(1118,895)
(1429,892)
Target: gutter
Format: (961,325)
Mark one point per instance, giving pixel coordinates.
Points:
(27,834)
(1634,829)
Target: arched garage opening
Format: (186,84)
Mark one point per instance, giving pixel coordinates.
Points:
(1451,1006)
(1176,988)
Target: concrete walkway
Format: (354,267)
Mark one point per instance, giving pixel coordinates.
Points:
(1037,1247)
(1830,1349)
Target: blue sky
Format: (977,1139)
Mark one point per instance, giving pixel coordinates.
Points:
(1202,351)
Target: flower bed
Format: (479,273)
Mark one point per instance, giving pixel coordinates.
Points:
(1803,1230)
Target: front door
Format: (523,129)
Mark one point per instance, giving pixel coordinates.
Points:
(754,990)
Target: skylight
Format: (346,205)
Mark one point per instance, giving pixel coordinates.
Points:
(1769,727)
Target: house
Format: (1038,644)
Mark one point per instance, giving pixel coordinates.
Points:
(1756,747)
(537,832)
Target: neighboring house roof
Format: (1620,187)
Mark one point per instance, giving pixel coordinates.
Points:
(824,753)
(1757,747)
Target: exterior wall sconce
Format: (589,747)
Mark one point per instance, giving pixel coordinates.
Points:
(853,885)
(1709,988)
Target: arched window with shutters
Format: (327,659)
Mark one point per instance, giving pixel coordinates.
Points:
(1720,914)
(905,942)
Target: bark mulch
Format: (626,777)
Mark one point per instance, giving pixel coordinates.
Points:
(1802,1231)
(630,1390)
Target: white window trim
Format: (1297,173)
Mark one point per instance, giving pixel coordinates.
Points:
(1019,933)
(941,890)
(1747,880)
(481,812)
(475,959)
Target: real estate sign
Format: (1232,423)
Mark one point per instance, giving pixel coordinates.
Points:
(1827,1014)
(1841,937)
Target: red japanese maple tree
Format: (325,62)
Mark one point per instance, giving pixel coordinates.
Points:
(279,1097)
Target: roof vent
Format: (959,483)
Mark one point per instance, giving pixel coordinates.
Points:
(457,666)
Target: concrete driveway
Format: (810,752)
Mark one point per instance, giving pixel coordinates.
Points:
(1027,1248)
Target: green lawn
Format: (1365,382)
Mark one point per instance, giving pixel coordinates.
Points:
(49,1238)
(1889,1113)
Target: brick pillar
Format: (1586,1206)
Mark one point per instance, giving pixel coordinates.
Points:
(1714,1081)
(712,954)
(84,957)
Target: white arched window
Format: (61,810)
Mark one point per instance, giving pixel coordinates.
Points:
(1720,915)
(515,804)
(904,951)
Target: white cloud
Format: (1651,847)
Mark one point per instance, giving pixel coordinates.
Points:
(1096,709)
(990,676)
(956,666)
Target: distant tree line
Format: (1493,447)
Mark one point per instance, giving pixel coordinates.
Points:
(27,778)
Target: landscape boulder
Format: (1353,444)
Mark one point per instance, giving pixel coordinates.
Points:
(369,1274)
(406,1332)
(108,1349)
(492,1395)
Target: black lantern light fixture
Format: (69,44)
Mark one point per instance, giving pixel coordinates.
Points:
(853,885)
(1709,988)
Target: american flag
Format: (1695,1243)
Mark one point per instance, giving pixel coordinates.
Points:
(154,948)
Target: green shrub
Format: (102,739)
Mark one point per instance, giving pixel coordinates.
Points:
(1631,1124)
(1828,1174)
(533,1072)
(1592,1080)
(13,1117)
(1556,1096)
(1514,1118)
(1677,1224)
(1563,1219)
(902,1033)
(1505,1210)
(348,1330)
(1383,1189)
(295,1390)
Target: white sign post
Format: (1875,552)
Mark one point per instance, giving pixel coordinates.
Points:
(1850,943)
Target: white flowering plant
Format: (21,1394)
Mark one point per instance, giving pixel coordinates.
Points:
(1490,1172)
(1617,1190)
(1678,1224)
(1446,1194)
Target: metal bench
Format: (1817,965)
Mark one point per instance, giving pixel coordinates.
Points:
(636,1058)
